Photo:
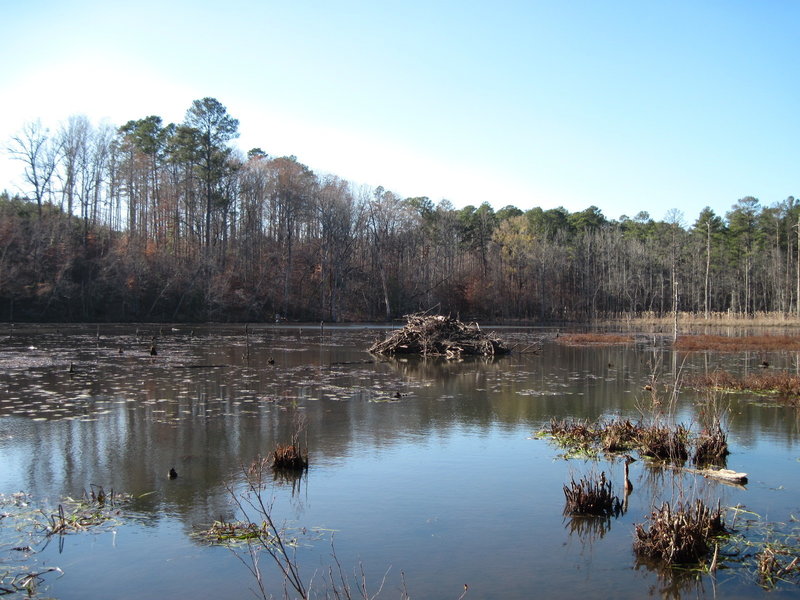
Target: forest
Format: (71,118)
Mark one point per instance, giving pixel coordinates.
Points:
(168,222)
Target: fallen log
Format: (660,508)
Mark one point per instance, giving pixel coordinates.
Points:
(726,475)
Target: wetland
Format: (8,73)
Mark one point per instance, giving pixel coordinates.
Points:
(429,474)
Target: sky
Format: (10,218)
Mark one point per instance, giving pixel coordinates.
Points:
(625,105)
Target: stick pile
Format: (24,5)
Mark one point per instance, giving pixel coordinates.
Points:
(437,335)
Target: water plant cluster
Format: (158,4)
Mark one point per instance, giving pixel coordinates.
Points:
(782,384)
(680,534)
(654,440)
(28,528)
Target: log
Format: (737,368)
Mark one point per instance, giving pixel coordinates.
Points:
(726,475)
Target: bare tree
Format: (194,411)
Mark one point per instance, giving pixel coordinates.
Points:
(38,151)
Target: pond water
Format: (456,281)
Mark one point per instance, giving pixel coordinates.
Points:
(443,486)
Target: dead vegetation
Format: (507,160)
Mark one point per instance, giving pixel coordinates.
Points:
(776,563)
(438,335)
(594,339)
(682,535)
(711,446)
(591,497)
(290,457)
(669,444)
(778,383)
(722,343)
(658,442)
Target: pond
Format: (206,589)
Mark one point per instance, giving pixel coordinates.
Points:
(426,474)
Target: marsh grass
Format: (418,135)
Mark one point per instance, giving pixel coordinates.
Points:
(722,343)
(231,532)
(94,509)
(687,320)
(587,438)
(679,535)
(777,563)
(594,339)
(619,435)
(289,457)
(591,497)
(711,447)
(779,383)
(669,444)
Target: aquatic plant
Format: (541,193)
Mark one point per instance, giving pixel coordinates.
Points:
(289,457)
(664,443)
(594,339)
(779,383)
(679,535)
(776,564)
(591,496)
(711,446)
(619,435)
(722,343)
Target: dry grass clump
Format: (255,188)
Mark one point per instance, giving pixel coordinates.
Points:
(723,343)
(781,383)
(679,536)
(711,447)
(289,457)
(591,497)
(775,564)
(575,434)
(663,443)
(619,435)
(594,339)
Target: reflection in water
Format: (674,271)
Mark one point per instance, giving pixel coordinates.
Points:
(588,529)
(420,481)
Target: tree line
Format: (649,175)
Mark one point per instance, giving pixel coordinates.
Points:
(167,222)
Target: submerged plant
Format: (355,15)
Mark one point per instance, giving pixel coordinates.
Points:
(776,563)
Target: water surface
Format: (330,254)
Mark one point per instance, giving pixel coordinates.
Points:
(425,468)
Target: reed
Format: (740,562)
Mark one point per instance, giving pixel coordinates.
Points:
(776,564)
(591,497)
(289,457)
(680,535)
(711,447)
(722,343)
(664,443)
(594,339)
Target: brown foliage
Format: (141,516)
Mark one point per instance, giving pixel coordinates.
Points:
(678,536)
(594,339)
(591,497)
(289,458)
(721,343)
(711,447)
(663,443)
(785,385)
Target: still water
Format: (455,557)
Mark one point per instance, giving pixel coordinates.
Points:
(427,474)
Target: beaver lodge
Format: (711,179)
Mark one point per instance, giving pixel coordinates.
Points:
(438,335)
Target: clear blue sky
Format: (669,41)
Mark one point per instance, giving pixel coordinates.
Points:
(628,106)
